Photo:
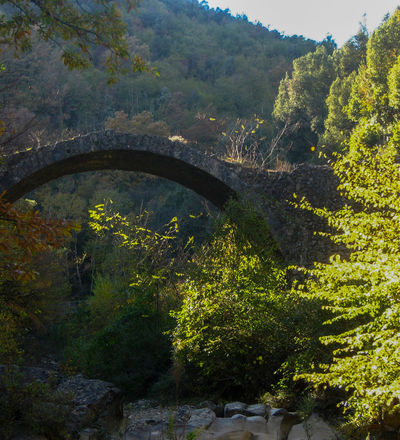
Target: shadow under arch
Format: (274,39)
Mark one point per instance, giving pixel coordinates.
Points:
(25,171)
(214,179)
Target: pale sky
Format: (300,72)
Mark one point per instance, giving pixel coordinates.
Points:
(312,18)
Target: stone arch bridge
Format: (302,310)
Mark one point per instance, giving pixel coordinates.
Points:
(214,179)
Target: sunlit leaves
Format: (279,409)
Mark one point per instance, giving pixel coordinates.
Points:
(232,330)
(155,256)
(362,290)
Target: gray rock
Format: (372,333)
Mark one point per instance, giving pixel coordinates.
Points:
(183,414)
(314,428)
(234,408)
(95,403)
(200,419)
(278,412)
(258,409)
(238,417)
(218,409)
(281,423)
(256,424)
(143,431)
(238,427)
(185,420)
(144,404)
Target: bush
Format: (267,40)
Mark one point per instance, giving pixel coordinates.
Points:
(238,323)
(132,352)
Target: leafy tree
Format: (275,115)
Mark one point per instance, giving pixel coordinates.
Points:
(231,65)
(370,94)
(98,23)
(301,102)
(23,236)
(361,291)
(352,55)
(338,125)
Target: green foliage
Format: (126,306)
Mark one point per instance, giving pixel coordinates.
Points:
(394,85)
(98,24)
(300,103)
(154,257)
(231,69)
(118,334)
(371,89)
(109,296)
(312,103)
(131,352)
(366,133)
(362,291)
(363,106)
(352,55)
(238,323)
(337,124)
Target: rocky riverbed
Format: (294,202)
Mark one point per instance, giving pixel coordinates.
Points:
(145,420)
(96,411)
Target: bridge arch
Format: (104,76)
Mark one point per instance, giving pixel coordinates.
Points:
(24,171)
(210,177)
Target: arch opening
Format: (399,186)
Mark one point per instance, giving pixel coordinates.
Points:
(27,171)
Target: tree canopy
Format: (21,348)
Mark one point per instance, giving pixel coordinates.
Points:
(77,28)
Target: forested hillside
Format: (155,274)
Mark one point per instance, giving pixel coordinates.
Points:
(209,64)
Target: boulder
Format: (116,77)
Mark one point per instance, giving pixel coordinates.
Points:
(314,428)
(238,427)
(145,430)
(258,409)
(200,419)
(235,408)
(88,434)
(281,421)
(238,422)
(218,409)
(278,412)
(95,403)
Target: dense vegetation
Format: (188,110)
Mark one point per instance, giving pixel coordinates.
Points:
(209,64)
(177,299)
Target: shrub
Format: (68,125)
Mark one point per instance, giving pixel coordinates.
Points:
(238,322)
(132,352)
